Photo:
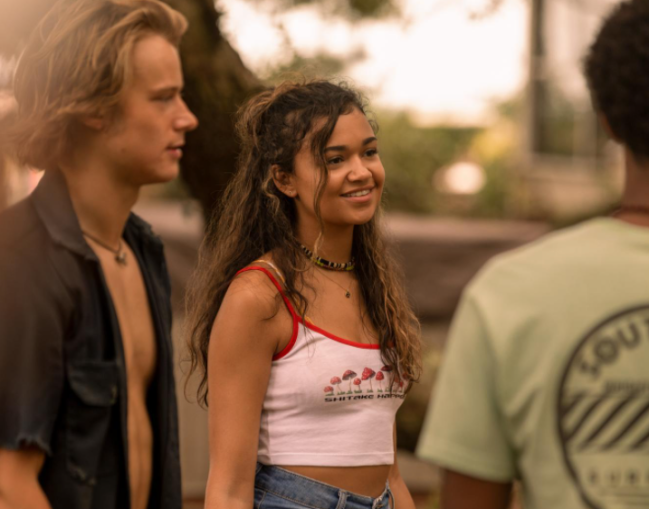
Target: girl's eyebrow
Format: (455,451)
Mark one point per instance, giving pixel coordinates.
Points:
(342,148)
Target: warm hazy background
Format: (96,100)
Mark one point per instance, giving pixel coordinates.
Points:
(486,134)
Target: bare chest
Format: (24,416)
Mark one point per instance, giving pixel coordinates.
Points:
(129,296)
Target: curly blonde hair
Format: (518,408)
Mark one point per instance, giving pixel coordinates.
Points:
(76,63)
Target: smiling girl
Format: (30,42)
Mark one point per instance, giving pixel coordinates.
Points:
(296,301)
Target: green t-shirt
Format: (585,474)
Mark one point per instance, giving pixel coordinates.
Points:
(546,373)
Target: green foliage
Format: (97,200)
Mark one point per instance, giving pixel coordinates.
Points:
(411,155)
(351,9)
(511,109)
(372,8)
(319,66)
(493,199)
(557,122)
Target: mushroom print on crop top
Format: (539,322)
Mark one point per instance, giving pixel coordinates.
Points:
(330,402)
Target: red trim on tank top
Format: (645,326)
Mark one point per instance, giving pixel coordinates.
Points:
(305,323)
(336,338)
(291,343)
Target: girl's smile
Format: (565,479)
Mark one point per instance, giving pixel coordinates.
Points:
(355,175)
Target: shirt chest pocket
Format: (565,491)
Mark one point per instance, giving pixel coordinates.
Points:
(93,394)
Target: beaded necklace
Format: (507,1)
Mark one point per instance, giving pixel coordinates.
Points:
(326,264)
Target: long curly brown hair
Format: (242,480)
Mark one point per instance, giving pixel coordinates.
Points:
(255,218)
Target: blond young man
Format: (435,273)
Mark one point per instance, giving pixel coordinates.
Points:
(87,398)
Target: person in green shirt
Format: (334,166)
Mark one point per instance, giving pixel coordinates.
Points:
(546,374)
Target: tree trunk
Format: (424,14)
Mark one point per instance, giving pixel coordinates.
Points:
(217,83)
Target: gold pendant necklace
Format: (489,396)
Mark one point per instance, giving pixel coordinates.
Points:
(348,294)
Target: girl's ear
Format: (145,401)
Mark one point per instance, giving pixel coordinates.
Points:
(284,181)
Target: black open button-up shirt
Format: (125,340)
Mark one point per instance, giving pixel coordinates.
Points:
(62,374)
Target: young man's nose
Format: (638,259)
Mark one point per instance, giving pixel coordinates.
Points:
(186,120)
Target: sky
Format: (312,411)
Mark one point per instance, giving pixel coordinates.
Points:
(439,64)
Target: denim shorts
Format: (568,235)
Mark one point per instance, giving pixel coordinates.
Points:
(277,488)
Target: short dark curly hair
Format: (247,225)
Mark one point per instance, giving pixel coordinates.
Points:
(617,71)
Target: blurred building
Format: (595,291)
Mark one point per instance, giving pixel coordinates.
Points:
(571,168)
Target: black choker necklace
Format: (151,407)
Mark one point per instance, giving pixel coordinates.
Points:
(638,209)
(326,264)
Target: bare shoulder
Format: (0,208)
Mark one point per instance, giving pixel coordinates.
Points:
(254,291)
(251,298)
(251,312)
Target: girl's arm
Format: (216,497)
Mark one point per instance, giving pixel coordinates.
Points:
(247,331)
(402,497)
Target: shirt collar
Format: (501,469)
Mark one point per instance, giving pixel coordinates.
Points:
(52,201)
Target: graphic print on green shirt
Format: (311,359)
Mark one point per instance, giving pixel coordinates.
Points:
(603,414)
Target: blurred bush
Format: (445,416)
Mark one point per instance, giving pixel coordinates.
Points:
(413,155)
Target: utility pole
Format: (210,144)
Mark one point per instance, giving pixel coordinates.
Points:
(537,82)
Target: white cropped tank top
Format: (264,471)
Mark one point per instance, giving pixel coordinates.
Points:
(329,402)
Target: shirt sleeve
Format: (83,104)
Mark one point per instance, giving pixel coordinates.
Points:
(32,325)
(464,429)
